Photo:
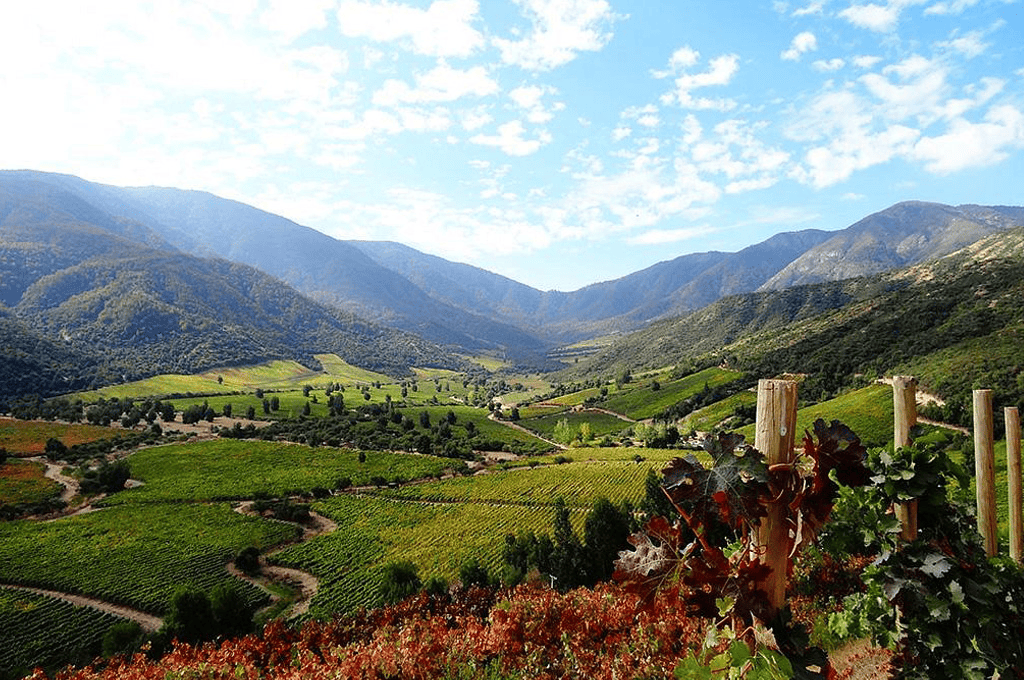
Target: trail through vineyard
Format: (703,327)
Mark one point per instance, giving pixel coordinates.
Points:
(148,622)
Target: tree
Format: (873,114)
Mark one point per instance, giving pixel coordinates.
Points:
(55,449)
(424,420)
(3,455)
(125,637)
(401,579)
(568,560)
(227,410)
(230,611)
(250,413)
(190,617)
(275,404)
(472,573)
(248,560)
(604,534)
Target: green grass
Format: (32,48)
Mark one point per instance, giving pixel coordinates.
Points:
(135,554)
(867,411)
(601,424)
(488,429)
(709,417)
(231,469)
(22,481)
(638,400)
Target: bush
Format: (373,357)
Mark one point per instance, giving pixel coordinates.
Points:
(125,637)
(248,560)
(401,579)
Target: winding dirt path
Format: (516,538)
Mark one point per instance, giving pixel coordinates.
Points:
(148,622)
(307,584)
(515,426)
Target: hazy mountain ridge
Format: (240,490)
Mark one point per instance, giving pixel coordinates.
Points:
(904,234)
(449,303)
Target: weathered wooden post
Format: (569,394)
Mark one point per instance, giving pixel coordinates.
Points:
(1015,494)
(904,402)
(984,469)
(774,435)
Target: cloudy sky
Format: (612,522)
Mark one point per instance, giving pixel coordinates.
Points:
(557,142)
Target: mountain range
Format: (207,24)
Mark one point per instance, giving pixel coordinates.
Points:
(133,281)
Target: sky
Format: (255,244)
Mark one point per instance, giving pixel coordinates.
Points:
(556,142)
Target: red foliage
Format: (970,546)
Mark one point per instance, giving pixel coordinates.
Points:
(531,631)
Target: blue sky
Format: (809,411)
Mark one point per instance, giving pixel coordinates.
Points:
(557,142)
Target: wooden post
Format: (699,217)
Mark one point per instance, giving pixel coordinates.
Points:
(775,433)
(984,469)
(1015,494)
(904,402)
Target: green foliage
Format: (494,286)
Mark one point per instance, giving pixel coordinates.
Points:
(123,638)
(38,630)
(400,580)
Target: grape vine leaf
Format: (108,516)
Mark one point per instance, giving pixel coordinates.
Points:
(732,489)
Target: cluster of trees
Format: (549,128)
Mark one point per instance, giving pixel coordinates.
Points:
(569,560)
(379,427)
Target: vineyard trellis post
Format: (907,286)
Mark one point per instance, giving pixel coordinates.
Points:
(1014,492)
(984,469)
(904,400)
(774,437)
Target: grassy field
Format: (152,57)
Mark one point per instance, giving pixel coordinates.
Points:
(28,437)
(867,411)
(709,417)
(641,400)
(231,469)
(22,481)
(580,483)
(600,423)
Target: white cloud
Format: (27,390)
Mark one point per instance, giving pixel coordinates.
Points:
(969,45)
(917,88)
(292,20)
(682,59)
(866,61)
(530,98)
(444,29)
(955,7)
(663,236)
(972,145)
(877,18)
(511,139)
(801,44)
(828,65)
(720,72)
(441,84)
(812,8)
(620,133)
(560,30)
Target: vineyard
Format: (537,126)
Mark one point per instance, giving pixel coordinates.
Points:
(226,469)
(135,555)
(42,630)
(180,527)
(23,481)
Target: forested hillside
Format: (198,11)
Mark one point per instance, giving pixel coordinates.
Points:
(922,320)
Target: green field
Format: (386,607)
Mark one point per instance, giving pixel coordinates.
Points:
(600,424)
(709,417)
(639,400)
(231,469)
(135,554)
(437,538)
(580,483)
(43,631)
(867,411)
